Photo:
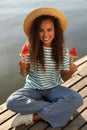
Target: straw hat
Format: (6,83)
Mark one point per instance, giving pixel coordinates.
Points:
(44,11)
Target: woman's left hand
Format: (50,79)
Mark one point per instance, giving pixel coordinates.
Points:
(66,74)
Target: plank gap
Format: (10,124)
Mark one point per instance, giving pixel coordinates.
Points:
(3,108)
(78,81)
(84,96)
(82,126)
(81,63)
(3,111)
(82,88)
(79,75)
(8,118)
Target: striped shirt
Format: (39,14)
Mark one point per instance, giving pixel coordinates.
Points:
(39,79)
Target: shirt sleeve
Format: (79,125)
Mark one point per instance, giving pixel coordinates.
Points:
(66,60)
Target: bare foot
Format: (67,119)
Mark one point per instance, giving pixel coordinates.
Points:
(36,117)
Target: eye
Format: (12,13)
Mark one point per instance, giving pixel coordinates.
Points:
(41,30)
(50,29)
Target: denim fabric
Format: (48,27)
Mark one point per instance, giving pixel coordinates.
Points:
(59,103)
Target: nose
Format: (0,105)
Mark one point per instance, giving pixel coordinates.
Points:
(45,34)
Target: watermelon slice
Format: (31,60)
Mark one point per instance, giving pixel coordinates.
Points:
(24,51)
(73,52)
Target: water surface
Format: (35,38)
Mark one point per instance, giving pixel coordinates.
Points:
(12,37)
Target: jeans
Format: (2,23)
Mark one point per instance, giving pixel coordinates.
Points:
(59,103)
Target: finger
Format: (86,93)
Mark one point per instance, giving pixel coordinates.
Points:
(21,61)
(23,72)
(23,64)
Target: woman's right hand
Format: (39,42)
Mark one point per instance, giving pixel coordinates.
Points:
(24,67)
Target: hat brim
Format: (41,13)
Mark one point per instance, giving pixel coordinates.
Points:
(44,11)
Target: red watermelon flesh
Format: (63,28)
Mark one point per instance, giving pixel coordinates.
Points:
(24,51)
(73,52)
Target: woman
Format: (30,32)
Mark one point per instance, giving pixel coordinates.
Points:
(48,60)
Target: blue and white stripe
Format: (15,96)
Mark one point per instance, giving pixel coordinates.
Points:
(49,78)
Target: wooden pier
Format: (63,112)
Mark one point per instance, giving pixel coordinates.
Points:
(78,82)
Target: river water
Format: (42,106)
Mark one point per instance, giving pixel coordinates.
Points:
(12,37)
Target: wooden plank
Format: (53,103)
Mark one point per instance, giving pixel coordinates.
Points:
(22,127)
(7,125)
(41,125)
(84,115)
(83,72)
(84,127)
(6,115)
(76,84)
(83,92)
(50,128)
(72,81)
(81,60)
(84,106)
(80,68)
(80,84)
(3,108)
(77,122)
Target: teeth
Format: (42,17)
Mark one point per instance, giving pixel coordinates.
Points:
(45,39)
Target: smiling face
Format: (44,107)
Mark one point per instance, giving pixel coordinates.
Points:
(47,32)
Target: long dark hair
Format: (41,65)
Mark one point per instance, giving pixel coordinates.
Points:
(36,45)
